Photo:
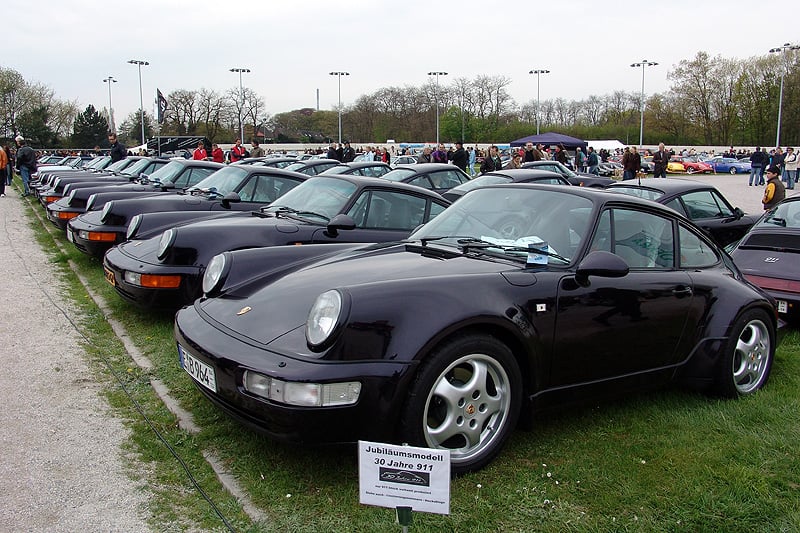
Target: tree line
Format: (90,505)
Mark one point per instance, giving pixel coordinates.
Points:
(711,101)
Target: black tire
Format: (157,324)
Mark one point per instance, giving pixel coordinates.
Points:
(746,363)
(690,170)
(732,170)
(465,398)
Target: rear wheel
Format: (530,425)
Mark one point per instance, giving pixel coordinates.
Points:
(748,356)
(466,399)
(732,170)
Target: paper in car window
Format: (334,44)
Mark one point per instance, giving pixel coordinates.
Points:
(535,244)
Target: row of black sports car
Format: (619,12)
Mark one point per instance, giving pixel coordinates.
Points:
(402,315)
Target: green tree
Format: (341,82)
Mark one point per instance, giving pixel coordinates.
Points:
(130,131)
(34,122)
(90,129)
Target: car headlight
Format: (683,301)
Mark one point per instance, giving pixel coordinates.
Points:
(106,210)
(70,196)
(167,238)
(56,182)
(213,276)
(90,201)
(323,318)
(133,227)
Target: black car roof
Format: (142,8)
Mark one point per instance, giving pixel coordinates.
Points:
(381,183)
(667,186)
(521,174)
(422,168)
(198,163)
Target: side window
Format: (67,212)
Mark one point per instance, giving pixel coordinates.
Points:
(703,204)
(375,172)
(695,253)
(388,210)
(358,211)
(436,210)
(676,204)
(643,240)
(422,181)
(247,192)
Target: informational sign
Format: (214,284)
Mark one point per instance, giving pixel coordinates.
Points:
(404,476)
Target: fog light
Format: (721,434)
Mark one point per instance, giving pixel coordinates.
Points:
(301,394)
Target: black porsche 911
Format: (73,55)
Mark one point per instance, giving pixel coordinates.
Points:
(700,202)
(449,339)
(166,270)
(231,188)
(769,256)
(513,175)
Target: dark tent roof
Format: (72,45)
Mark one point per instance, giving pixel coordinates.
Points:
(552,139)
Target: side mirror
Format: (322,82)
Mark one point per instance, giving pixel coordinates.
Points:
(230,198)
(738,213)
(602,264)
(340,222)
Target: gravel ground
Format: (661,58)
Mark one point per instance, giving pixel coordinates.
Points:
(62,462)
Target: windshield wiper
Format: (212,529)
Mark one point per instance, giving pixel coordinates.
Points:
(469,243)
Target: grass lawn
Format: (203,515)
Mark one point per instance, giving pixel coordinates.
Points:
(667,461)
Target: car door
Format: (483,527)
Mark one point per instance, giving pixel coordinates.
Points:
(711,212)
(619,326)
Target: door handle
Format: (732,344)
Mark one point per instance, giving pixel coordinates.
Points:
(681,292)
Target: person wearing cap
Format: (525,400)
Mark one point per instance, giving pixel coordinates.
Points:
(26,163)
(774,192)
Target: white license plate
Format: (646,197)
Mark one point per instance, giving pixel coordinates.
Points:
(201,372)
(783,307)
(70,238)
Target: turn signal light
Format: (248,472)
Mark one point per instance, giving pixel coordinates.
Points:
(67,216)
(160,282)
(51,199)
(102,236)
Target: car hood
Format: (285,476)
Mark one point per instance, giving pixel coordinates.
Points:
(397,271)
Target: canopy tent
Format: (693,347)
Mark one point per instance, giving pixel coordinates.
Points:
(552,139)
(609,144)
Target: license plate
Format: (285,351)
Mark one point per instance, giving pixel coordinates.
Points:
(201,372)
(110,276)
(70,238)
(783,307)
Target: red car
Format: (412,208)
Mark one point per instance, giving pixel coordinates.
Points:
(693,164)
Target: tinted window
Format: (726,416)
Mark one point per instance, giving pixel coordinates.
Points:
(705,204)
(388,210)
(643,240)
(695,253)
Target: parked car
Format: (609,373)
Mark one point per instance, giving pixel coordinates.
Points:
(700,202)
(151,176)
(693,164)
(511,175)
(437,177)
(675,167)
(233,187)
(313,166)
(450,338)
(581,179)
(404,160)
(166,270)
(44,179)
(374,169)
(111,174)
(769,256)
(267,161)
(729,165)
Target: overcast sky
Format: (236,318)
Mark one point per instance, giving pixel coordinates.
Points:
(290,47)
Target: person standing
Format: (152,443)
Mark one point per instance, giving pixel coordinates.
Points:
(199,153)
(460,156)
(425,156)
(580,160)
(561,155)
(7,177)
(492,161)
(439,155)
(3,167)
(516,161)
(790,168)
(217,155)
(630,163)
(531,153)
(26,163)
(238,152)
(593,162)
(473,155)
(774,192)
(757,167)
(348,154)
(257,151)
(660,160)
(118,150)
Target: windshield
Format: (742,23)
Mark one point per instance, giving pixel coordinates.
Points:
(324,196)
(223,181)
(785,215)
(486,179)
(398,174)
(118,166)
(639,192)
(515,220)
(136,168)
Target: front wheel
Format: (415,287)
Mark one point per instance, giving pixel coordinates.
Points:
(690,170)
(746,363)
(465,399)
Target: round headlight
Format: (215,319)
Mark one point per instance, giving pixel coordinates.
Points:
(213,275)
(133,226)
(323,317)
(70,196)
(56,182)
(90,201)
(106,210)
(167,238)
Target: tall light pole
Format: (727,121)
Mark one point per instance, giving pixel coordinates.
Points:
(436,97)
(339,75)
(538,73)
(139,64)
(643,63)
(109,80)
(241,91)
(782,49)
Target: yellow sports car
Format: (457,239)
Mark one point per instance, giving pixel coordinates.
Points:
(676,167)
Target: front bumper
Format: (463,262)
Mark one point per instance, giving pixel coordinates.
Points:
(372,417)
(83,234)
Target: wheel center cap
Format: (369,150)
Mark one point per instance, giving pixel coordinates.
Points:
(470,410)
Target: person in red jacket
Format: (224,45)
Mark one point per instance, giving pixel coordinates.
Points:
(200,152)
(238,151)
(217,155)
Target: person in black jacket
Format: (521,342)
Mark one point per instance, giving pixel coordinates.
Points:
(492,161)
(460,156)
(118,150)
(757,162)
(26,163)
(660,160)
